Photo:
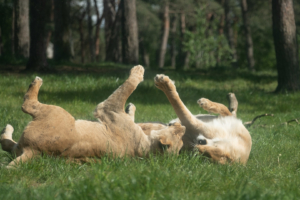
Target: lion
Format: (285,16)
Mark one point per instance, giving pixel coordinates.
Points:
(224,139)
(55,132)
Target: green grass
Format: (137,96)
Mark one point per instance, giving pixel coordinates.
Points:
(266,175)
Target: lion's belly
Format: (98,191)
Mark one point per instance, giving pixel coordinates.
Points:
(49,136)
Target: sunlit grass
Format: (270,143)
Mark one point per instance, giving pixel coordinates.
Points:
(272,172)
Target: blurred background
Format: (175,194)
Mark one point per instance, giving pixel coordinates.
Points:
(175,34)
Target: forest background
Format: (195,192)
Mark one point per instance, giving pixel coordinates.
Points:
(181,34)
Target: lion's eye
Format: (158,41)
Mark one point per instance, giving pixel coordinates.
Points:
(202,142)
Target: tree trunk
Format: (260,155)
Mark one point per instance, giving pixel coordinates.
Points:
(90,30)
(229,32)
(97,31)
(13,31)
(173,41)
(21,28)
(130,42)
(145,53)
(39,19)
(166,29)
(286,47)
(51,21)
(109,13)
(248,37)
(183,56)
(113,49)
(0,42)
(81,33)
(220,32)
(62,48)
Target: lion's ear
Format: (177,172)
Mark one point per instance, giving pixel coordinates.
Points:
(180,130)
(165,142)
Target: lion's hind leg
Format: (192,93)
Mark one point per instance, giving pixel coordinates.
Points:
(233,103)
(31,103)
(130,110)
(116,101)
(24,157)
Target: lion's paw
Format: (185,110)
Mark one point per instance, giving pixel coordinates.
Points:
(7,132)
(37,82)
(138,72)
(130,110)
(203,102)
(164,83)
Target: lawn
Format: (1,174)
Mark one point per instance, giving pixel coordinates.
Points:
(272,172)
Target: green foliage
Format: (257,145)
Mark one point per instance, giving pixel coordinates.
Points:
(205,46)
(149,26)
(260,16)
(267,175)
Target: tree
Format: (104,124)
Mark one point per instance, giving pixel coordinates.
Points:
(112,31)
(1,42)
(62,48)
(184,56)
(130,42)
(21,41)
(97,31)
(90,30)
(165,36)
(229,31)
(173,41)
(81,35)
(39,20)
(109,13)
(149,24)
(248,37)
(286,47)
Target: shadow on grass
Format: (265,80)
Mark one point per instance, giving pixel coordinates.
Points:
(113,69)
(148,94)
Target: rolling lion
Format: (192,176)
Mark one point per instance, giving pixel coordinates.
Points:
(224,139)
(55,132)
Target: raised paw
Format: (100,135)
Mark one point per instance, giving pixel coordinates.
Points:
(206,104)
(233,103)
(7,132)
(213,107)
(164,83)
(37,82)
(138,72)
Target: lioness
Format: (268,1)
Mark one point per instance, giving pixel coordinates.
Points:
(221,138)
(55,132)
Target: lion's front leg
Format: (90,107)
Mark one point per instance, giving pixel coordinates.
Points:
(213,107)
(116,101)
(165,84)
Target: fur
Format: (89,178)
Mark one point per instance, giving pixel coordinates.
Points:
(224,139)
(55,132)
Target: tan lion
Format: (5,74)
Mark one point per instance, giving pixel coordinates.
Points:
(55,132)
(224,139)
